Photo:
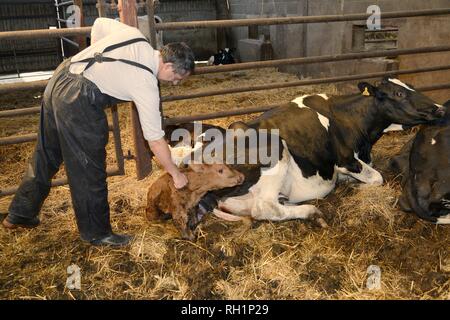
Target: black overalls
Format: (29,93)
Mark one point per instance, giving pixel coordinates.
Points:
(74,129)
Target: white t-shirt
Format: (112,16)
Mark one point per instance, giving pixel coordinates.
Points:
(121,80)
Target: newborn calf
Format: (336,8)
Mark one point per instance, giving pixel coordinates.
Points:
(164,198)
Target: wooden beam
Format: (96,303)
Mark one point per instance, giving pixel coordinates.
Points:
(143,155)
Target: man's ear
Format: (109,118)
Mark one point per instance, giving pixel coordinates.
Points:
(367,89)
(168,66)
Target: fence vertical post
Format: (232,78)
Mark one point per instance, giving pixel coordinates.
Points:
(101,7)
(143,157)
(151,21)
(115,115)
(81,40)
(151,25)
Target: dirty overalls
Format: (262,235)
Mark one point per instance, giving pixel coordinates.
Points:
(74,129)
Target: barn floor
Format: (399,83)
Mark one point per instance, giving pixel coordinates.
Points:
(230,260)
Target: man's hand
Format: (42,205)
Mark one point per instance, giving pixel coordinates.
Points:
(179,180)
(162,153)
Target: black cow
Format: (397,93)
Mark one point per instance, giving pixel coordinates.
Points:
(424,163)
(322,137)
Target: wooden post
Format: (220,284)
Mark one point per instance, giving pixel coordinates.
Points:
(101,7)
(143,156)
(81,40)
(151,21)
(115,115)
(151,25)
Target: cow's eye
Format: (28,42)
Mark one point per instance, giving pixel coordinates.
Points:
(220,170)
(400,94)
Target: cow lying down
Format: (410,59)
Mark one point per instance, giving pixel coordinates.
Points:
(321,137)
(164,199)
(424,163)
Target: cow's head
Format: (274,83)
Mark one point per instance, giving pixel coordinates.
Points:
(401,103)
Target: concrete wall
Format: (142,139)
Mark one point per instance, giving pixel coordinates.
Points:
(336,38)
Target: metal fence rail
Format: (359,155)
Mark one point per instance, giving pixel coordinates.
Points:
(57,182)
(295,20)
(242,111)
(45,33)
(263,64)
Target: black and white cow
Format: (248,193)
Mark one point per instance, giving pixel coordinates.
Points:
(222,57)
(322,137)
(424,163)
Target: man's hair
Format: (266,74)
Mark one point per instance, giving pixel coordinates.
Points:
(180,55)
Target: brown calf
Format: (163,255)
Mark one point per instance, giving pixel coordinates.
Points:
(164,198)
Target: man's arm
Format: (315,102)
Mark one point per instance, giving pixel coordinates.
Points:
(162,153)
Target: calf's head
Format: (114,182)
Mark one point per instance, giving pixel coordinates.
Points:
(401,103)
(218,176)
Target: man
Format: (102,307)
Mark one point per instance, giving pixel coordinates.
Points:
(119,65)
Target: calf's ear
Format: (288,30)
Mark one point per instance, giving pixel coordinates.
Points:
(367,89)
(196,167)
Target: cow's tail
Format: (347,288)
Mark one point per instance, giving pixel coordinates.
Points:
(419,205)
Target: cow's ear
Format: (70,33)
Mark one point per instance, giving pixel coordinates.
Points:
(367,89)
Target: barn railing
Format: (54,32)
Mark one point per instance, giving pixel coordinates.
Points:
(127,8)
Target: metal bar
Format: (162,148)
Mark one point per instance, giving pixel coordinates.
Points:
(381,30)
(44,33)
(262,64)
(55,183)
(143,155)
(23,86)
(435,87)
(63,3)
(295,20)
(30,138)
(18,139)
(52,33)
(237,112)
(19,112)
(381,40)
(303,83)
(117,142)
(62,20)
(71,42)
(316,59)
(221,114)
(27,111)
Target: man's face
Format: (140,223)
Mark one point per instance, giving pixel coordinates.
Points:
(167,73)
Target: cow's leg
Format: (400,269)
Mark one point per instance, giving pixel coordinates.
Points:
(367,174)
(274,211)
(240,205)
(346,178)
(266,189)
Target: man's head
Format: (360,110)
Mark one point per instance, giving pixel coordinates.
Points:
(177,62)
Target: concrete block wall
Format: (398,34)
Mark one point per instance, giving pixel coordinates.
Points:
(335,38)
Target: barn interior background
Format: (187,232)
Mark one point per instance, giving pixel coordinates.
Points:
(262,260)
